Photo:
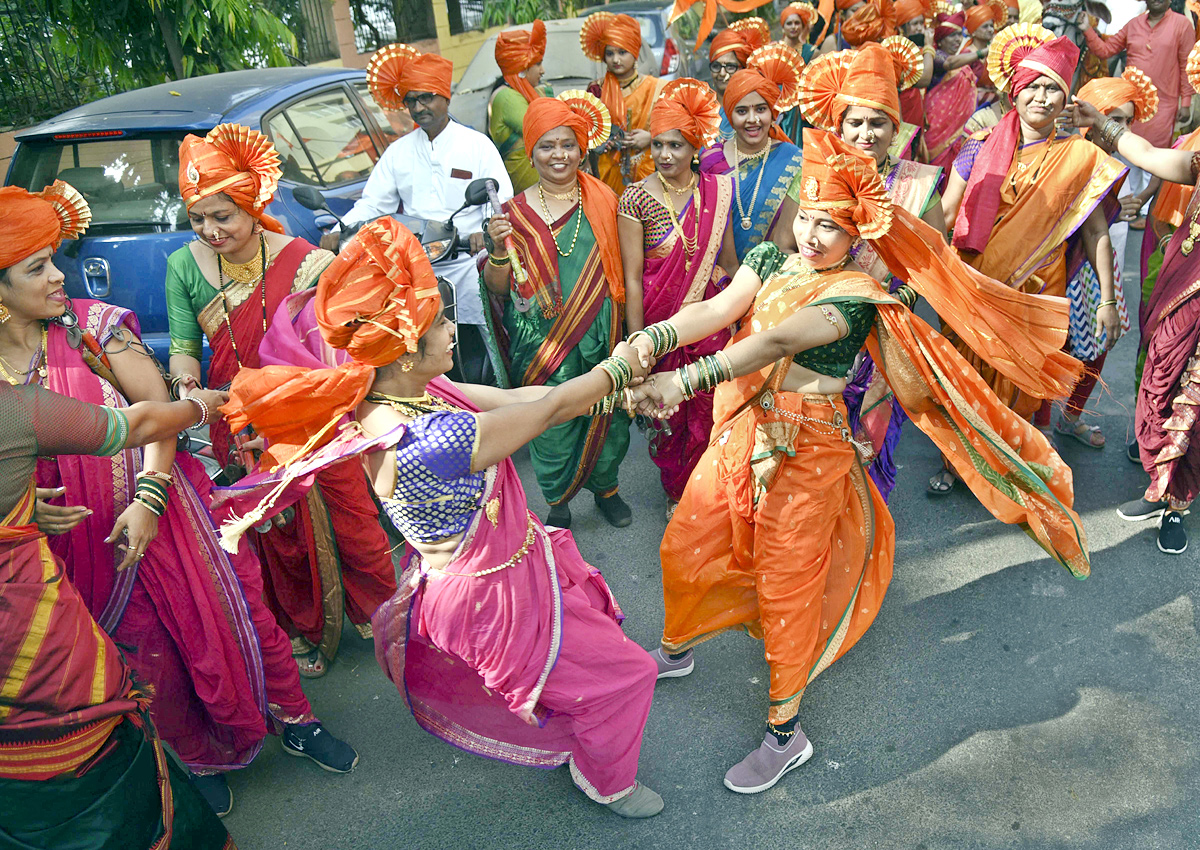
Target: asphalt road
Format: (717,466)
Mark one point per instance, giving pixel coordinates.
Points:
(996,702)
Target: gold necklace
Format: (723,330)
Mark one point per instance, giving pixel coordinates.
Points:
(805,275)
(549,221)
(569,195)
(737,179)
(249,272)
(414,407)
(39,365)
(689,245)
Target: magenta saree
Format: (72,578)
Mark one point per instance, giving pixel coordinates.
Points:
(948,107)
(190,615)
(670,281)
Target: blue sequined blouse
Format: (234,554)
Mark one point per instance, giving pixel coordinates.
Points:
(436,494)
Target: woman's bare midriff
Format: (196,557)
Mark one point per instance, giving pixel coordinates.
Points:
(437,555)
(802,380)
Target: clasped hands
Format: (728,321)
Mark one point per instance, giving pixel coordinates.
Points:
(654,395)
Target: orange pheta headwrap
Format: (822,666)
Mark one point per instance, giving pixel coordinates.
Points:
(805,11)
(397,69)
(235,161)
(588,119)
(908,10)
(709,16)
(374,302)
(599,30)
(516,51)
(870,76)
(774,73)
(992,10)
(689,107)
(740,38)
(32,221)
(845,184)
(875,21)
(1133,86)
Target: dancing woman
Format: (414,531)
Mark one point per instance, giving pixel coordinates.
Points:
(502,639)
(675,245)
(759,157)
(780,533)
(567,316)
(616,40)
(519,55)
(854,95)
(331,559)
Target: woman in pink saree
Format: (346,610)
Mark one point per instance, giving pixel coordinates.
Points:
(675,242)
(950,101)
(502,639)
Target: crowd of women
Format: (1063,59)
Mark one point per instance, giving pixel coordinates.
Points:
(734,267)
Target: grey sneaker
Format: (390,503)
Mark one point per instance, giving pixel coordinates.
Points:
(672,669)
(1139,510)
(1172,536)
(765,766)
(641,802)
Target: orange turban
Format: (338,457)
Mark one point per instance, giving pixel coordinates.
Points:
(741,38)
(235,161)
(374,301)
(32,221)
(397,69)
(873,22)
(844,183)
(908,10)
(773,72)
(518,50)
(689,107)
(1010,4)
(599,30)
(1133,86)
(992,10)
(870,76)
(805,11)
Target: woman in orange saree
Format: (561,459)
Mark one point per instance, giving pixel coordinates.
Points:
(780,533)
(1030,202)
(616,40)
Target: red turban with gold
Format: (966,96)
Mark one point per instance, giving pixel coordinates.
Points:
(1133,86)
(689,107)
(235,161)
(32,221)
(518,50)
(374,302)
(397,69)
(948,25)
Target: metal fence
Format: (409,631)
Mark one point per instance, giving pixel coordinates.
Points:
(465,15)
(39,82)
(316,38)
(381,22)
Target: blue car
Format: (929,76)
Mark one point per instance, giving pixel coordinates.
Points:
(122,154)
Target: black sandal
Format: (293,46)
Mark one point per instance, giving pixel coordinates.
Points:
(942,482)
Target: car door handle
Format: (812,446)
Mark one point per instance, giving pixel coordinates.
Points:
(96,277)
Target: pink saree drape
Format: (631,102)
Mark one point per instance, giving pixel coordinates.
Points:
(670,281)
(948,107)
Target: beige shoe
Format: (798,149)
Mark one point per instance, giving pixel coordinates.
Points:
(641,802)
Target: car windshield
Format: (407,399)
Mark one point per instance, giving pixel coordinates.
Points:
(131,182)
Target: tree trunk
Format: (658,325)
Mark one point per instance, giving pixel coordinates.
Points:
(170,38)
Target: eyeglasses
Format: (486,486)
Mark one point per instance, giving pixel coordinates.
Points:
(727,68)
(424,98)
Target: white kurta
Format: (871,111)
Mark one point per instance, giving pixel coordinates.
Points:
(428,179)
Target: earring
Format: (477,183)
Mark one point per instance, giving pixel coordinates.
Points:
(407,366)
(258,228)
(4,314)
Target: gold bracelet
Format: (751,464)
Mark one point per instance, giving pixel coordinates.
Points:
(1112,302)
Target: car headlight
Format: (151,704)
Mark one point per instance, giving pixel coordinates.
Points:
(433,250)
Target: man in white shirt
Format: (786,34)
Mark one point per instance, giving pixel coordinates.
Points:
(426,173)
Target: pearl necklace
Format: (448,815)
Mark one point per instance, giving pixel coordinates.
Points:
(549,221)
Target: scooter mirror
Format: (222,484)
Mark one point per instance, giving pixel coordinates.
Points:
(477,192)
(309,197)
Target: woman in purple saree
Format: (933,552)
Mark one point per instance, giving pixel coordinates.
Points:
(501,638)
(674,258)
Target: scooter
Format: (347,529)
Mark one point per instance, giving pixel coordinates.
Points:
(440,240)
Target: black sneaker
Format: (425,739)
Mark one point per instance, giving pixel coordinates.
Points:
(1172,536)
(1133,453)
(559,516)
(215,791)
(313,741)
(1139,510)
(614,509)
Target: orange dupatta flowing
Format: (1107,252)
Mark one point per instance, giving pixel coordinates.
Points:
(781,479)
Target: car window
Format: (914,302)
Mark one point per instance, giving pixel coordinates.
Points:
(322,140)
(651,34)
(391,124)
(131,183)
